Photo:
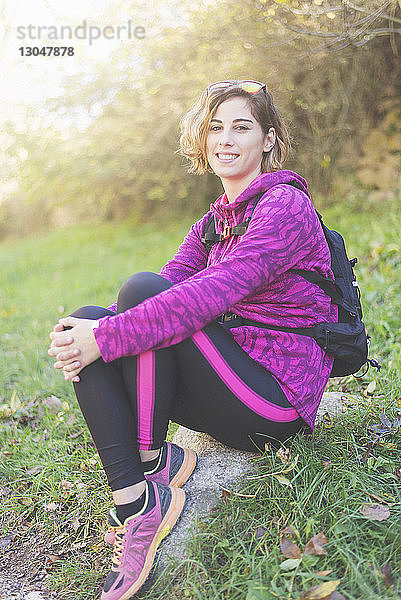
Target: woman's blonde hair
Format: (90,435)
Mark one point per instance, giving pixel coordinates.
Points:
(194,127)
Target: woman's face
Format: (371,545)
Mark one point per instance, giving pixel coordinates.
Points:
(235,142)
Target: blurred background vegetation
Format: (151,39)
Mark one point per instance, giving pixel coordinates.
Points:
(104,147)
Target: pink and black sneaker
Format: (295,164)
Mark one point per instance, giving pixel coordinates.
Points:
(174,468)
(175,465)
(137,539)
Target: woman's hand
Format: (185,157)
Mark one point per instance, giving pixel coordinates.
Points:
(68,345)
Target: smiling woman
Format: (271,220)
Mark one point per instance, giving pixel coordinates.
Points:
(163,350)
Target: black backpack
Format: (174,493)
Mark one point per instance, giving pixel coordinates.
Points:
(346,339)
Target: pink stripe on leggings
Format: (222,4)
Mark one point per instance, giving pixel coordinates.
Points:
(241,390)
(145,384)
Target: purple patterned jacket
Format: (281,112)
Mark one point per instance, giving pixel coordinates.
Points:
(248,275)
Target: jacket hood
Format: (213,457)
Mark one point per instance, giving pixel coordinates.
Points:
(261,183)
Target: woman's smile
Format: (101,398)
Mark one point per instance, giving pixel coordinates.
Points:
(226,158)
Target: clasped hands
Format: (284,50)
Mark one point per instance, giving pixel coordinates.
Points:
(73,348)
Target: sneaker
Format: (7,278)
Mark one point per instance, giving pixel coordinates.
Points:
(174,468)
(175,465)
(137,539)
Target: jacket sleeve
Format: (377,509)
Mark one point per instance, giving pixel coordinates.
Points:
(280,234)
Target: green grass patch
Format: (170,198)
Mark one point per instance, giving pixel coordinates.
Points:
(51,482)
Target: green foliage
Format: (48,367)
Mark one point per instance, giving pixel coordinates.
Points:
(123,162)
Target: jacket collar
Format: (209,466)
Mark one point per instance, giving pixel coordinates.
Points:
(262,183)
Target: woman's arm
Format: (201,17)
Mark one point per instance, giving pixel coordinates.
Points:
(281,233)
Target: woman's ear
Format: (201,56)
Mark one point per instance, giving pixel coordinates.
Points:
(270,139)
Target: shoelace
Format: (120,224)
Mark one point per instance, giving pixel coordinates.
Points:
(118,544)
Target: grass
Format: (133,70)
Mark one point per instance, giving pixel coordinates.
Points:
(53,489)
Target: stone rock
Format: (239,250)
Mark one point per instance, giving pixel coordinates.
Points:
(218,467)
(331,404)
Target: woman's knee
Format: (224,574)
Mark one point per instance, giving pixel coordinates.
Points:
(139,287)
(91,312)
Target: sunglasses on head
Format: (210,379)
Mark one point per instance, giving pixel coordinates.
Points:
(248,85)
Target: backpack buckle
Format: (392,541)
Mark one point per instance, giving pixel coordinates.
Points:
(226,231)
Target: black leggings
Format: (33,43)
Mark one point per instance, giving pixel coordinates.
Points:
(206,383)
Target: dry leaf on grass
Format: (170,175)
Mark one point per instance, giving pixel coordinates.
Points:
(53,403)
(315,545)
(289,532)
(324,573)
(375,512)
(66,485)
(52,506)
(260,532)
(379,499)
(321,591)
(290,564)
(283,480)
(387,574)
(283,454)
(289,549)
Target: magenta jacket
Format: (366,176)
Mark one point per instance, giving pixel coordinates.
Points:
(248,275)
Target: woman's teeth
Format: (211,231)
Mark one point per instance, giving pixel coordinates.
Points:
(227,156)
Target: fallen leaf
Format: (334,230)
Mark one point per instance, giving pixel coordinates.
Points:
(53,403)
(283,454)
(290,563)
(53,558)
(387,574)
(260,532)
(52,506)
(289,532)
(72,419)
(66,485)
(98,564)
(379,498)
(34,470)
(324,573)
(321,591)
(289,549)
(26,501)
(315,545)
(283,480)
(75,524)
(375,512)
(371,387)
(327,464)
(328,421)
(292,465)
(225,495)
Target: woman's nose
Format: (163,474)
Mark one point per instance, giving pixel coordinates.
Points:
(226,138)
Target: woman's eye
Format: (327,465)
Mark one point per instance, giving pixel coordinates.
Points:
(239,127)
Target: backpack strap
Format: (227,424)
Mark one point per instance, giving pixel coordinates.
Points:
(210,237)
(329,287)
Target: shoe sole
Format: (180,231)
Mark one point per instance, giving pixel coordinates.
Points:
(187,468)
(165,527)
